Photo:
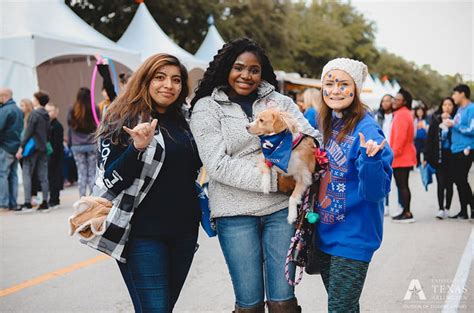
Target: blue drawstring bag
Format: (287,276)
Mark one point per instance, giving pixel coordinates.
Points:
(29,148)
(427,175)
(207,222)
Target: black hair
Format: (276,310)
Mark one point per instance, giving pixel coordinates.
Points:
(407,97)
(218,71)
(440,108)
(422,108)
(42,97)
(463,88)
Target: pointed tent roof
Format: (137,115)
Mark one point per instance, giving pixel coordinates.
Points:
(38,30)
(211,43)
(35,31)
(145,35)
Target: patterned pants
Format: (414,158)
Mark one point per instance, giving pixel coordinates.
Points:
(86,163)
(344,280)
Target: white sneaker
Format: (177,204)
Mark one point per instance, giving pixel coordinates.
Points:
(442,214)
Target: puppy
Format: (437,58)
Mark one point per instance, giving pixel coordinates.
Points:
(285,147)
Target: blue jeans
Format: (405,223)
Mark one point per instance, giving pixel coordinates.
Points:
(8,180)
(255,251)
(156,269)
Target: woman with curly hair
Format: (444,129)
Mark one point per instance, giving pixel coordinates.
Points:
(253,232)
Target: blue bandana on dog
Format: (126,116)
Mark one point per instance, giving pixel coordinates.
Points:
(277,149)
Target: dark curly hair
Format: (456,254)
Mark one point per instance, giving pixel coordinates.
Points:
(218,71)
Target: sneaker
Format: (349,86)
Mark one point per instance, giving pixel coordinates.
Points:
(24,208)
(44,207)
(404,218)
(54,205)
(460,216)
(442,214)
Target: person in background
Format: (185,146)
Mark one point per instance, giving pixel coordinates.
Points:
(105,102)
(252,227)
(421,132)
(401,142)
(123,81)
(311,105)
(11,125)
(55,161)
(81,133)
(462,146)
(437,154)
(26,106)
(37,161)
(384,117)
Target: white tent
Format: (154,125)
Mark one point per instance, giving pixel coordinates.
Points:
(372,92)
(388,87)
(395,87)
(211,43)
(44,44)
(146,36)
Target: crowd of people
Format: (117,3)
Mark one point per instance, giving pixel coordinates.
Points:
(149,155)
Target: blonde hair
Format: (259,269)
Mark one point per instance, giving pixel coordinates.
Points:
(28,104)
(312,98)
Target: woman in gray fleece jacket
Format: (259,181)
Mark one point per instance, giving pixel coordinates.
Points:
(253,231)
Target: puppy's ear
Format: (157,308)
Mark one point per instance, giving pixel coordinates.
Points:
(290,122)
(279,124)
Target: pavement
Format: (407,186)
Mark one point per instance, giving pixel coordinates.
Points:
(421,267)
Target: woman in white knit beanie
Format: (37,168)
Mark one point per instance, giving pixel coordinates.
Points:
(351,207)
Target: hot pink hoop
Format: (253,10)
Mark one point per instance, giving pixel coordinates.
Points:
(94,111)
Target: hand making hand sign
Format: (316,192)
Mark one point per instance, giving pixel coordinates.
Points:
(142,134)
(371,146)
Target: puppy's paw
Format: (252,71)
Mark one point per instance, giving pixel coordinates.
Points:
(292,210)
(266,183)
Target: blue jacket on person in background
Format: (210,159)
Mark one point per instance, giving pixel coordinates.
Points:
(463,130)
(352,208)
(11,126)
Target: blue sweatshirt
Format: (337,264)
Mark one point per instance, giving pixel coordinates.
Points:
(463,130)
(351,209)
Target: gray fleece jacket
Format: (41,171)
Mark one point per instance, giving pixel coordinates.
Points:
(230,154)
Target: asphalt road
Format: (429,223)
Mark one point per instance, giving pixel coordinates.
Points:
(42,269)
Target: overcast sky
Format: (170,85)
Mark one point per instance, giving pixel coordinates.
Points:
(439,33)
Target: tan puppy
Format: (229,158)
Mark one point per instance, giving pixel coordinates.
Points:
(302,161)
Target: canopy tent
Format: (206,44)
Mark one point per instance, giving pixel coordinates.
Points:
(145,35)
(211,44)
(47,34)
(372,92)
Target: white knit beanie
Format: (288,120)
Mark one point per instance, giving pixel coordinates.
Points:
(356,69)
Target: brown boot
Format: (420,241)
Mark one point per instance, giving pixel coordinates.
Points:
(260,308)
(288,306)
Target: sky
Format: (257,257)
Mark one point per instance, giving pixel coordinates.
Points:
(439,33)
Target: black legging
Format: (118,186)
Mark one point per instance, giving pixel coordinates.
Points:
(461,165)
(444,178)
(401,179)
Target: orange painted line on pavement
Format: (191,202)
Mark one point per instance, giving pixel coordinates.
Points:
(48,276)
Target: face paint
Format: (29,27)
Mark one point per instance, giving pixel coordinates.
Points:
(338,90)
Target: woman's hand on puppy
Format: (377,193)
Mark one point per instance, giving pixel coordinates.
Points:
(142,134)
(286,184)
(372,147)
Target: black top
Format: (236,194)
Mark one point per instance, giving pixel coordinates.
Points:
(171,205)
(246,103)
(56,137)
